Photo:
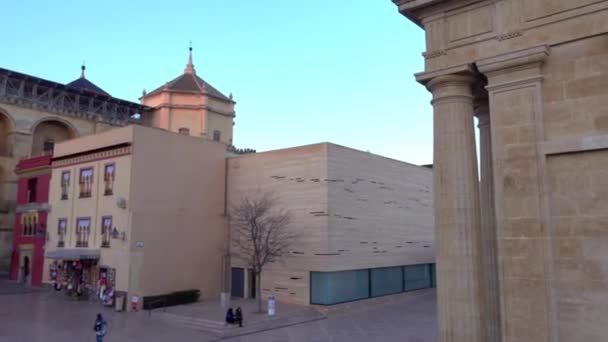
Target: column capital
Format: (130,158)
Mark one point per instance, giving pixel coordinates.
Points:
(426,77)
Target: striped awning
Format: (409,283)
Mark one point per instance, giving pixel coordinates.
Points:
(73,254)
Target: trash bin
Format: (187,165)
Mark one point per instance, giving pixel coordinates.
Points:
(119,302)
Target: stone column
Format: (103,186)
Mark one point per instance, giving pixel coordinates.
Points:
(488,225)
(456,200)
(523,244)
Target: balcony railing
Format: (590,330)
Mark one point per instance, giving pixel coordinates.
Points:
(84,194)
(105,244)
(60,244)
(82,244)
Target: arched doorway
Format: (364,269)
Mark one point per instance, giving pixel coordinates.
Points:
(47,133)
(26,268)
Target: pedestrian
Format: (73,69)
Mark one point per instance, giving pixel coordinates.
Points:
(101,328)
(26,270)
(230,316)
(239,316)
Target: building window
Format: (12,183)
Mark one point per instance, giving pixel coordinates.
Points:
(417,277)
(217,135)
(32,184)
(62,227)
(328,288)
(86,182)
(106,231)
(65,184)
(339,287)
(29,221)
(184,131)
(83,228)
(108,178)
(47,147)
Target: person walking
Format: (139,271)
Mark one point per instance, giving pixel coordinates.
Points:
(101,328)
(239,316)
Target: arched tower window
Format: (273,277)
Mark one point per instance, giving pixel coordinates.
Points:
(47,134)
(217,135)
(48,146)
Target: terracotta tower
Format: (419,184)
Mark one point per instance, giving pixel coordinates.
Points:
(191,106)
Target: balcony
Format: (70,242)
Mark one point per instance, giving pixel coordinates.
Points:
(85,195)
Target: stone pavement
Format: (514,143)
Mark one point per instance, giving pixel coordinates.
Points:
(209,316)
(47,316)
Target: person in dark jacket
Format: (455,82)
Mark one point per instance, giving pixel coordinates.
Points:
(101,328)
(230,316)
(239,316)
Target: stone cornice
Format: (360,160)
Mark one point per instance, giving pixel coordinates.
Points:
(533,55)
(93,156)
(575,144)
(434,54)
(195,107)
(509,35)
(409,8)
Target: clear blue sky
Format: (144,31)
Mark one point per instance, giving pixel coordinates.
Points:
(301,71)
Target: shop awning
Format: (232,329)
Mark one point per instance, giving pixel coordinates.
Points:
(73,254)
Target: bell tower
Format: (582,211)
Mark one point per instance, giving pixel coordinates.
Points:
(191,106)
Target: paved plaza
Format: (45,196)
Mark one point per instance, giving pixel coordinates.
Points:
(47,316)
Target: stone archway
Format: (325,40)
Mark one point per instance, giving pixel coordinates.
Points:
(5,129)
(48,132)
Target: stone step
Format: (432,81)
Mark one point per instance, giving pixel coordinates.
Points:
(222,329)
(271,324)
(195,323)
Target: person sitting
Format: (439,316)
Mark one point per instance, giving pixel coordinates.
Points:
(239,316)
(230,316)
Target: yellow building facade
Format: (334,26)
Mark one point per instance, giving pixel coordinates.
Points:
(148,227)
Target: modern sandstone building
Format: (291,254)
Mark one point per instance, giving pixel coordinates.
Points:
(521,255)
(360,218)
(147,227)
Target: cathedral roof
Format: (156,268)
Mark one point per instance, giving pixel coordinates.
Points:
(189,81)
(83,84)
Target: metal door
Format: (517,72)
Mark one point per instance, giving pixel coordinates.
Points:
(238,282)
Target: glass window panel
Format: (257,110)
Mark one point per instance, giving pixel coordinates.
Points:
(417,277)
(386,280)
(339,287)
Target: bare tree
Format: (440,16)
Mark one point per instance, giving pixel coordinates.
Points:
(260,234)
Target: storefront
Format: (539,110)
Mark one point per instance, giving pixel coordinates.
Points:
(77,273)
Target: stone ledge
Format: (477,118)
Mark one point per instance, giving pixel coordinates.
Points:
(575,144)
(517,58)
